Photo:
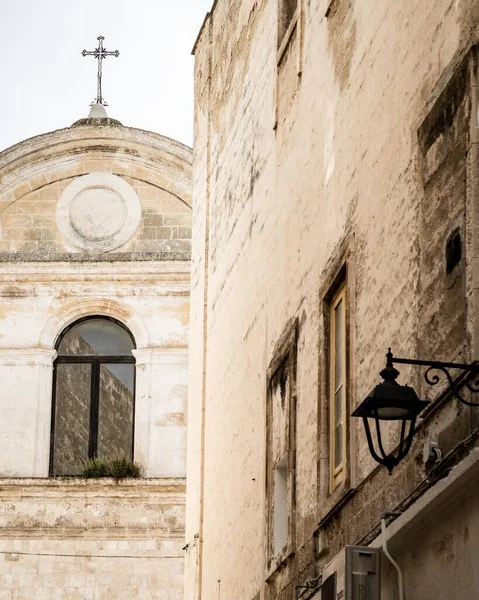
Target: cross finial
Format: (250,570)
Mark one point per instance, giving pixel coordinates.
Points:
(100,53)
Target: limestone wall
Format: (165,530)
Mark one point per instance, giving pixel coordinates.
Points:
(39,301)
(93,540)
(309,161)
(36,172)
(95,220)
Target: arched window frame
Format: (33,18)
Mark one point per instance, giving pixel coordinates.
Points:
(95,361)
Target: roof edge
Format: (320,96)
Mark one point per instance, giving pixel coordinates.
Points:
(35,143)
(208,15)
(100,122)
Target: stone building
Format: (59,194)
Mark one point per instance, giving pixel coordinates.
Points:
(94,283)
(335,214)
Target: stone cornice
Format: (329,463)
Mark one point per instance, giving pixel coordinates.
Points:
(124,257)
(27,356)
(78,486)
(160,355)
(92,133)
(176,537)
(93,270)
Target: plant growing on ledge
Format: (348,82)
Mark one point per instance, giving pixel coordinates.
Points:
(94,467)
(118,468)
(123,467)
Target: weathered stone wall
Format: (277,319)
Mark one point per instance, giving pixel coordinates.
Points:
(438,536)
(38,300)
(73,539)
(29,226)
(95,221)
(35,173)
(62,262)
(308,163)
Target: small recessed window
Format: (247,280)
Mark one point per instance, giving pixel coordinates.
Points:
(453,251)
(337,399)
(286,13)
(281,449)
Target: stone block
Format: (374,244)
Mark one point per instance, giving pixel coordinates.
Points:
(184,233)
(177,219)
(148,233)
(153,220)
(165,233)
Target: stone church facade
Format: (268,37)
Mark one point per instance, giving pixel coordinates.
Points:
(335,214)
(94,283)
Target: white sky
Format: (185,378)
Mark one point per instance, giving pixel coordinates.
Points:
(46,84)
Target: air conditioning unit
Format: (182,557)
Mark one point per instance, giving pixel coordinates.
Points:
(354,574)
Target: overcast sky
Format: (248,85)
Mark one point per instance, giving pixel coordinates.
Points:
(46,84)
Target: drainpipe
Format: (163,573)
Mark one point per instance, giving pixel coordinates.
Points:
(205,318)
(384,546)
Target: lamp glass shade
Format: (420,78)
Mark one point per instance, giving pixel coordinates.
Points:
(393,413)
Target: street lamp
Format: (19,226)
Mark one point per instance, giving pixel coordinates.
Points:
(390,401)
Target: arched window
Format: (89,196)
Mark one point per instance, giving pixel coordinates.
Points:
(93,395)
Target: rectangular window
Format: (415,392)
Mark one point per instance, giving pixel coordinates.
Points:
(281,434)
(338,388)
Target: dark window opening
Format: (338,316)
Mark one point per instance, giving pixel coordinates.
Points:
(93,395)
(287,10)
(453,251)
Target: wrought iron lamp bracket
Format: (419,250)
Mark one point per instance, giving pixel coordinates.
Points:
(469,374)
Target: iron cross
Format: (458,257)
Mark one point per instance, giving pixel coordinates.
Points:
(100,53)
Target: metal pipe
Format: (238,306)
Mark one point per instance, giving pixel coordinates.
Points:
(384,547)
(206,267)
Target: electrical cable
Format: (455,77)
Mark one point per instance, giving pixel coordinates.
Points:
(433,477)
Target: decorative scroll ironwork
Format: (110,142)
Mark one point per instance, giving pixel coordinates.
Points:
(390,401)
(100,53)
(468,377)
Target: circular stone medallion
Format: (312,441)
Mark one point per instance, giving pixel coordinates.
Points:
(98,212)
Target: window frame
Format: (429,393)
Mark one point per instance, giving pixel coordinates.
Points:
(289,46)
(285,351)
(287,34)
(96,362)
(341,269)
(337,474)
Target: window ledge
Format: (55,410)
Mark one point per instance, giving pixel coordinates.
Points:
(82,484)
(278,563)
